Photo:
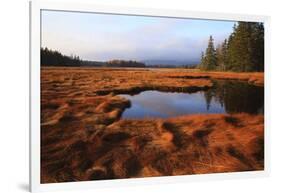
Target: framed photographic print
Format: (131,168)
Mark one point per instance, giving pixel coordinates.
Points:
(122,96)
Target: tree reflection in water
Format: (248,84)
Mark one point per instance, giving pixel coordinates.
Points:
(236,97)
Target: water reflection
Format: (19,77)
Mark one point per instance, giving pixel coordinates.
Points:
(225,97)
(237,96)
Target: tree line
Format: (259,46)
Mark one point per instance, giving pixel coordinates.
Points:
(54,58)
(242,51)
(124,63)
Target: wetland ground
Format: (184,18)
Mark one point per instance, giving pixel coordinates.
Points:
(85,137)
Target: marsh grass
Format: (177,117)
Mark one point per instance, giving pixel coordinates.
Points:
(83,137)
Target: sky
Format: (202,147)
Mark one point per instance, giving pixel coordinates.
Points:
(103,37)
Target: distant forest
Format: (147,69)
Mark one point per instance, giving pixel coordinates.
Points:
(243,51)
(55,58)
(124,63)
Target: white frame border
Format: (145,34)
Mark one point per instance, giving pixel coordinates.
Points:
(34,146)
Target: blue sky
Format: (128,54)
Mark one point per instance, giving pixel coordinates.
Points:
(104,37)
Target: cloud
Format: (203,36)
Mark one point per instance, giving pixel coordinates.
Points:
(105,37)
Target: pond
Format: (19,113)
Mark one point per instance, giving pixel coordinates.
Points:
(225,97)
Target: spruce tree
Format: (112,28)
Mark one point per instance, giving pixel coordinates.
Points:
(246,47)
(202,64)
(210,58)
(257,46)
(219,57)
(224,55)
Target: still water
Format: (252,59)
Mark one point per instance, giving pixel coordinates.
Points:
(225,97)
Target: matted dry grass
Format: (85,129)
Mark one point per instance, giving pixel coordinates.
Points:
(83,137)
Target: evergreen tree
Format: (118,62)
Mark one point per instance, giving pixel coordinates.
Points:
(210,59)
(239,53)
(243,51)
(257,46)
(246,47)
(202,64)
(224,48)
(229,53)
(219,55)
